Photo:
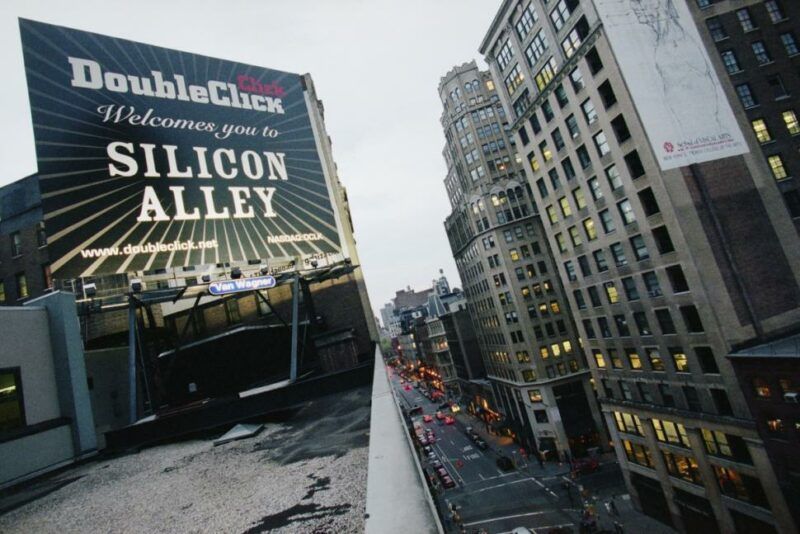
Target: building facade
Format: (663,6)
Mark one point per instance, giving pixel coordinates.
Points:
(664,269)
(532,354)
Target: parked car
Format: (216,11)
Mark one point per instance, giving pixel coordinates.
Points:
(427,418)
(449,420)
(447,482)
(439,415)
(481,444)
(436,463)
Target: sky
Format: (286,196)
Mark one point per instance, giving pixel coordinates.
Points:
(376,65)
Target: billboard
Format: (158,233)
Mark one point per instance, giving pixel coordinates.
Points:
(152,158)
(672,81)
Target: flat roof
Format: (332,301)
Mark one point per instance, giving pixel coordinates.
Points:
(786,347)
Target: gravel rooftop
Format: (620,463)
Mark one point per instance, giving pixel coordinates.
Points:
(307,474)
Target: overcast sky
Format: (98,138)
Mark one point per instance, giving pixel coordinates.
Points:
(376,65)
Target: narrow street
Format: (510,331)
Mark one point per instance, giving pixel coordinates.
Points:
(529,496)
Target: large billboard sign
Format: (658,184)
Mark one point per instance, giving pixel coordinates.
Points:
(672,81)
(152,158)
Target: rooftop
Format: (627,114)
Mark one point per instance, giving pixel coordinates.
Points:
(786,347)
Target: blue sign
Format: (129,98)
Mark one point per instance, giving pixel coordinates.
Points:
(226,287)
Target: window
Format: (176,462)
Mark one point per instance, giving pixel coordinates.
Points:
(656,363)
(547,154)
(594,187)
(535,395)
(634,164)
(12,407)
(651,283)
(521,103)
(554,181)
(726,445)
(622,326)
(746,96)
(588,111)
(761,52)
(580,199)
(705,356)
(730,62)
(776,85)
(591,231)
(638,454)
(665,322)
(572,126)
(600,260)
(677,279)
(790,120)
(575,236)
(669,432)
(607,95)
(789,43)
(594,296)
(22,286)
(558,139)
(594,62)
(583,157)
(41,235)
(666,395)
(566,210)
(779,171)
(546,74)
(691,319)
(639,248)
(662,239)
(745,20)
(618,253)
(599,359)
(626,391)
(526,21)
(601,143)
(587,325)
(541,416)
(721,402)
(626,212)
(2,292)
(629,285)
(577,79)
(633,359)
(716,29)
(761,131)
(680,360)
(561,13)
(504,55)
(537,48)
(611,292)
(551,214)
(740,486)
(535,125)
(605,331)
(607,221)
(514,79)
(774,10)
(584,263)
(642,324)
(648,201)
(761,388)
(16,243)
(569,170)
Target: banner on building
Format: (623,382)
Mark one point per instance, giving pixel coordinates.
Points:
(672,81)
(152,158)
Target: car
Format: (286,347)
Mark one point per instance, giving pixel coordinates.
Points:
(436,463)
(441,471)
(431,456)
(449,420)
(427,418)
(521,530)
(505,463)
(447,482)
(585,465)
(481,444)
(407,387)
(427,449)
(439,415)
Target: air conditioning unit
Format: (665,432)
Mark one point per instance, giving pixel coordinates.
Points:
(791,397)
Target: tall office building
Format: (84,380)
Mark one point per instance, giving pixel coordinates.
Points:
(672,236)
(529,343)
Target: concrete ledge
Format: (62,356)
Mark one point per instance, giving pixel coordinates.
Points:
(398,500)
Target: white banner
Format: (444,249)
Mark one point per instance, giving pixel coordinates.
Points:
(672,81)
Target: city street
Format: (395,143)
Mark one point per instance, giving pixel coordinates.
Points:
(530,496)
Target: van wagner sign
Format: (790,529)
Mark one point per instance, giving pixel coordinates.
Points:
(151,158)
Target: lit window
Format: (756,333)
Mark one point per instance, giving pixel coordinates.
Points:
(761,131)
(634,360)
(22,286)
(776,425)
(535,395)
(561,242)
(589,228)
(611,292)
(681,362)
(599,359)
(580,200)
(601,143)
(546,74)
(656,363)
(565,208)
(575,236)
(551,214)
(761,388)
(777,166)
(490,85)
(2,292)
(790,119)
(12,414)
